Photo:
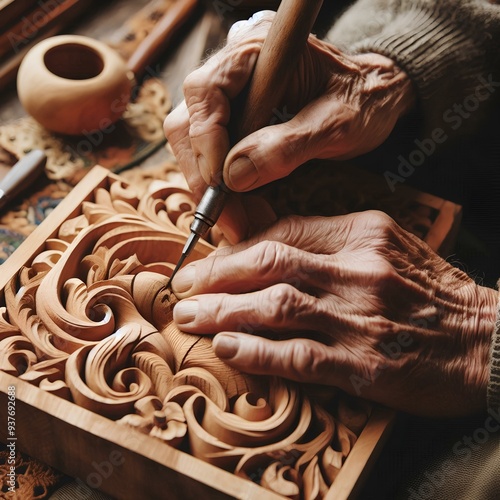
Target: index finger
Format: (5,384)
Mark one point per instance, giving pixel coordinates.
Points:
(314,234)
(208,92)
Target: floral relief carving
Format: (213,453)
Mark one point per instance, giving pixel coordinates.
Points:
(90,320)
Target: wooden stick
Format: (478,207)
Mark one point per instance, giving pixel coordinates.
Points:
(282,48)
(161,35)
(51,24)
(33,24)
(11,10)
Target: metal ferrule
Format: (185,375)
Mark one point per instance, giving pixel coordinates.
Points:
(209,208)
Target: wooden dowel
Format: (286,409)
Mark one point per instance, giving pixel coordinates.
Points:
(178,14)
(282,48)
(12,10)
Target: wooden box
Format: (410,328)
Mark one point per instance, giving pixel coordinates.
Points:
(37,415)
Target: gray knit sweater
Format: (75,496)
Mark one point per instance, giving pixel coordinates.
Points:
(451,51)
(449,48)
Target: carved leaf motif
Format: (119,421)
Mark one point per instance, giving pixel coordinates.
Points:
(91,321)
(282,479)
(16,355)
(314,484)
(50,369)
(101,381)
(157,369)
(6,328)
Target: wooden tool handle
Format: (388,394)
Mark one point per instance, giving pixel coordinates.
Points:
(282,48)
(162,34)
(22,174)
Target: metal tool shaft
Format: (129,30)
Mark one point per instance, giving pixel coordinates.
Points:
(206,215)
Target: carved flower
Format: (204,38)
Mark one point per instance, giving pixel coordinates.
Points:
(164,421)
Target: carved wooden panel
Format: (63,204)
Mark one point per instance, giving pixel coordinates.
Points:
(99,368)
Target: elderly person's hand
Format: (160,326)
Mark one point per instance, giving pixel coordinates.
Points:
(337,106)
(354,302)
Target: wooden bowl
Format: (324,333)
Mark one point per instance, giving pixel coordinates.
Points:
(73,84)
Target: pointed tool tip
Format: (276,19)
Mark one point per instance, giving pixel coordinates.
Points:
(190,244)
(177,267)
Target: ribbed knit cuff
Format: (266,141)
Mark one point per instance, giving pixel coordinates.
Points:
(446,47)
(493,389)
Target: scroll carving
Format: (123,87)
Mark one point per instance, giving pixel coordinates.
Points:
(90,320)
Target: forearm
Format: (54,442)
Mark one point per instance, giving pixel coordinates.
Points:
(448,48)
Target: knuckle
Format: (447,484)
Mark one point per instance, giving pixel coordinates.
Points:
(193,82)
(220,310)
(384,275)
(383,328)
(265,358)
(302,359)
(270,255)
(197,129)
(289,229)
(378,221)
(285,304)
(287,147)
(306,361)
(383,270)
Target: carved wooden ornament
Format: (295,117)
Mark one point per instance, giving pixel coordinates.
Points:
(89,319)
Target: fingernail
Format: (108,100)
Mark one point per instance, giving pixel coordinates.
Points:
(226,346)
(184,279)
(242,174)
(185,311)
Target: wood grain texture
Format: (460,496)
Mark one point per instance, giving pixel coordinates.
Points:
(86,329)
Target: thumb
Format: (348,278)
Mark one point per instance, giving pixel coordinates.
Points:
(301,360)
(262,157)
(275,151)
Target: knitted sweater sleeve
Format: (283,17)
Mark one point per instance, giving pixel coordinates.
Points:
(449,48)
(493,389)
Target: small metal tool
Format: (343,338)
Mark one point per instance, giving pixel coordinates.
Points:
(206,215)
(21,175)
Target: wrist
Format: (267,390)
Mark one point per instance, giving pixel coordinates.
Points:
(478,328)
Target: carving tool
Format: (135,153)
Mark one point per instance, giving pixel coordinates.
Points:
(282,47)
(21,175)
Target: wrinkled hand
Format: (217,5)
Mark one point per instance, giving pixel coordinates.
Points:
(354,302)
(337,106)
